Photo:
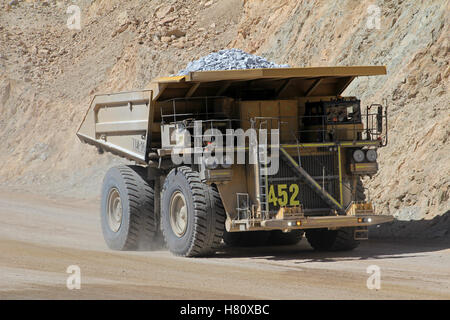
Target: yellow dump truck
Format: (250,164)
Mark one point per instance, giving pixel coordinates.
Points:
(248,157)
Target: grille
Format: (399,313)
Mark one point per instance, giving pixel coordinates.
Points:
(323,167)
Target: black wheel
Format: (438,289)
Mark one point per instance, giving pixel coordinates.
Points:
(127,209)
(246,239)
(332,240)
(280,238)
(192,214)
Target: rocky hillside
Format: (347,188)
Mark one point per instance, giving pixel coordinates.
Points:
(413,42)
(48,73)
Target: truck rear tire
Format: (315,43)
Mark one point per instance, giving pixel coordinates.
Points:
(192,214)
(246,238)
(280,238)
(128,218)
(332,240)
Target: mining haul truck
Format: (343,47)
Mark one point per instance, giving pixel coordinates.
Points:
(247,157)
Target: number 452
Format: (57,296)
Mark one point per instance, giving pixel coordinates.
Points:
(281,197)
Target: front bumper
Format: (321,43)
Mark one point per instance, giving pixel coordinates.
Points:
(307,223)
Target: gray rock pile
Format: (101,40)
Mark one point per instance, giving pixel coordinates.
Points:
(229,59)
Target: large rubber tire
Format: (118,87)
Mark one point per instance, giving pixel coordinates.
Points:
(138,223)
(205,214)
(246,238)
(280,238)
(332,240)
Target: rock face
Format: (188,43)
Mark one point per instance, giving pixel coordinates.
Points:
(230,59)
(49,73)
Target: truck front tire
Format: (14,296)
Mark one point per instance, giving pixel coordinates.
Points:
(280,238)
(246,238)
(192,214)
(332,240)
(262,238)
(127,209)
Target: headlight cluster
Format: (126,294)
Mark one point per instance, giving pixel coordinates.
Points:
(370,155)
(358,155)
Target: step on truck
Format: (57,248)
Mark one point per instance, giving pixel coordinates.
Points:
(247,157)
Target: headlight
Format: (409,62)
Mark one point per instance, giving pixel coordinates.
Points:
(358,155)
(371,155)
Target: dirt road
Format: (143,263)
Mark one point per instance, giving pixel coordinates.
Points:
(40,237)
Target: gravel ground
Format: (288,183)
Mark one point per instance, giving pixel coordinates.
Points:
(40,237)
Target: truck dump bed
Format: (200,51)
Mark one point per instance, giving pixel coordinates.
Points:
(128,123)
